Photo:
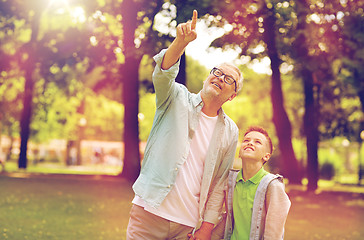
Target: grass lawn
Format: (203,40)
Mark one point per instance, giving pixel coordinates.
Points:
(61,208)
(58,168)
(77,208)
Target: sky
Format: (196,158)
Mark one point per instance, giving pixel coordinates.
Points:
(199,48)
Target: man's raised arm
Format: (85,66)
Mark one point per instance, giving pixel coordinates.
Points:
(186,33)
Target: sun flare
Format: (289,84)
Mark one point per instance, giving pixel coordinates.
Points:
(58,3)
(78,15)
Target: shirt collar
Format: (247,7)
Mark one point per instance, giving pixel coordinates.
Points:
(197,100)
(255,179)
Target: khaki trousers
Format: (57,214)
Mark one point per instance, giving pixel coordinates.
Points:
(145,225)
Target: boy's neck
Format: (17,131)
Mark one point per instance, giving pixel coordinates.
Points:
(250,168)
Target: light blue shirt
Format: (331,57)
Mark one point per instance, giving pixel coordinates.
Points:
(175,121)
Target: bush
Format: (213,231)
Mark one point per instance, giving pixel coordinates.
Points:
(327,171)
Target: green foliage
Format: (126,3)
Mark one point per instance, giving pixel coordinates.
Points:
(300,150)
(58,117)
(147,110)
(11,85)
(196,74)
(252,106)
(68,61)
(104,118)
(55,116)
(145,75)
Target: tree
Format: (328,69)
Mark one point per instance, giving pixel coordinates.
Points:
(351,69)
(31,53)
(321,44)
(280,118)
(311,112)
(352,52)
(130,71)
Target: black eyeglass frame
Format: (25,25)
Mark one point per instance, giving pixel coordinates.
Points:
(213,71)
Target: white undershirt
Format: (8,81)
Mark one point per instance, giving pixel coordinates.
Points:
(182,203)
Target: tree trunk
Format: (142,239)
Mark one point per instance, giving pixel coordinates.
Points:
(181,77)
(26,113)
(310,120)
(80,131)
(130,76)
(281,121)
(311,130)
(131,167)
(29,66)
(360,138)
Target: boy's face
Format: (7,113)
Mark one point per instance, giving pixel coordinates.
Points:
(255,146)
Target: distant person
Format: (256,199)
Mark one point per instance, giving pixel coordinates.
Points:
(257,204)
(191,147)
(98,155)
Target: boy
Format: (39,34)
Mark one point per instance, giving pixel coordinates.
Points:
(257,205)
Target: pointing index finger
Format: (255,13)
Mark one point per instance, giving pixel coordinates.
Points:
(194,19)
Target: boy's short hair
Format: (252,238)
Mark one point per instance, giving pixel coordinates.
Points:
(262,131)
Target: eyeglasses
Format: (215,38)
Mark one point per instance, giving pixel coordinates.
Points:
(227,79)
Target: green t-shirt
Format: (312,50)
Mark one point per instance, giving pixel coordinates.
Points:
(243,200)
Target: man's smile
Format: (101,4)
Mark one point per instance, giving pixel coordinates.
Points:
(217,85)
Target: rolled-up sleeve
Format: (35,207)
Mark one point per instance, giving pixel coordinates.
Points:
(163,79)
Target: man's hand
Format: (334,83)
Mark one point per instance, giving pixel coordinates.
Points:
(186,32)
(204,233)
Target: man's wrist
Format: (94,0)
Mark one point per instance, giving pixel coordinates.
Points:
(179,45)
(207,226)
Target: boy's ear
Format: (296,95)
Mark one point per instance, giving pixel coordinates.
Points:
(266,157)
